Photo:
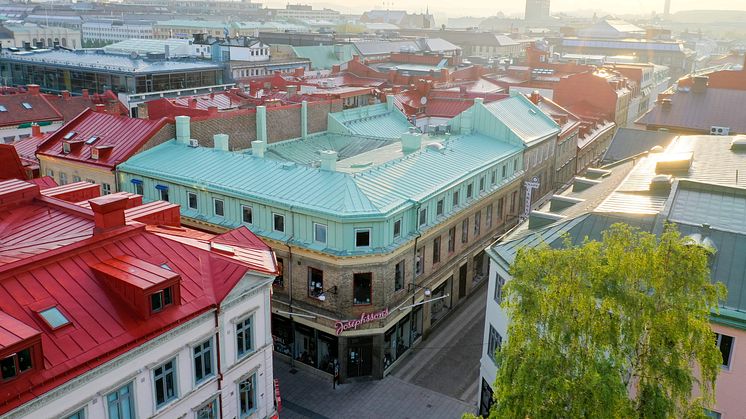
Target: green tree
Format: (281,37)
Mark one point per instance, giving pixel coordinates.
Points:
(609,329)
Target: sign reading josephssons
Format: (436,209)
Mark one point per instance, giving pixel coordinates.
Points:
(343,325)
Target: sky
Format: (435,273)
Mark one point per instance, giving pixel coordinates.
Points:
(484,8)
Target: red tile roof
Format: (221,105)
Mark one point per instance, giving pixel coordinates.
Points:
(51,261)
(126,136)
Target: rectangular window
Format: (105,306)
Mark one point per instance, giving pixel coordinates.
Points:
(138,189)
(725,343)
(245,336)
(499,284)
(164,378)
(439,207)
(399,276)
(50,172)
(319,233)
(515,165)
(63,178)
(192,200)
(362,237)
(362,288)
(451,239)
(481,184)
(513,201)
(120,403)
(494,343)
(505,171)
(15,364)
(161,299)
(315,282)
(247,215)
(456,200)
(469,190)
(712,414)
(80,414)
(488,218)
(477,223)
(500,205)
(280,279)
(436,250)
(76,178)
(465,230)
(203,361)
(423,217)
(247,396)
(419,268)
(163,194)
(397,228)
(278,222)
(219,207)
(493,178)
(209,410)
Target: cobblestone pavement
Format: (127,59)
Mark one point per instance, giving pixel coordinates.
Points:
(305,395)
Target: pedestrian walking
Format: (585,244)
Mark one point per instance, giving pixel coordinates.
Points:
(335,380)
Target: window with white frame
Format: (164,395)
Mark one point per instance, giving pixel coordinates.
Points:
(219,206)
(397,228)
(499,284)
(319,233)
(192,200)
(247,396)
(494,343)
(725,344)
(362,237)
(245,336)
(278,222)
(164,381)
(439,207)
(202,355)
(423,217)
(80,414)
(456,200)
(208,410)
(247,214)
(120,403)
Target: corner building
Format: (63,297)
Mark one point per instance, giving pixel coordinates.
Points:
(379,230)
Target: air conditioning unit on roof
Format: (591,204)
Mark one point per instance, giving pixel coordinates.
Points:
(193,143)
(715,130)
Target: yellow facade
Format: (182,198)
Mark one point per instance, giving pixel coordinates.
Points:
(66,171)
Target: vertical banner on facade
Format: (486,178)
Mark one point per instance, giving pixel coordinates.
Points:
(530,186)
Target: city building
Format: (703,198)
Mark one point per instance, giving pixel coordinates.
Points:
(186,29)
(324,57)
(683,184)
(537,10)
(111,309)
(91,145)
(400,18)
(697,108)
(107,31)
(24,108)
(379,231)
(303,12)
(133,79)
(38,36)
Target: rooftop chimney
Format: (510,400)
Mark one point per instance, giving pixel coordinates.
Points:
(389,103)
(535,97)
(193,103)
(99,108)
(35,130)
(65,94)
(183,133)
(292,90)
(699,84)
(85,93)
(258,148)
(410,142)
(220,141)
(108,212)
(33,89)
(328,160)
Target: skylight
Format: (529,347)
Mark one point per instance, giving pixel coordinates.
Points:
(27,105)
(92,140)
(69,135)
(54,317)
(3,108)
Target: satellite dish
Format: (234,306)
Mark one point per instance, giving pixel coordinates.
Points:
(423,100)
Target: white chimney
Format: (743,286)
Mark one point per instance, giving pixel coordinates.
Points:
(258,148)
(183,132)
(328,160)
(220,141)
(410,142)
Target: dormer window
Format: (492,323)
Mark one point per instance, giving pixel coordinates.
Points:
(15,364)
(94,153)
(66,147)
(54,318)
(161,299)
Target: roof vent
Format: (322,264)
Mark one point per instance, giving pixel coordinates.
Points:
(436,146)
(656,149)
(559,202)
(594,173)
(537,219)
(738,143)
(660,183)
(581,183)
(674,162)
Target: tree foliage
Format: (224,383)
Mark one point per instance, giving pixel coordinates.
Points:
(609,329)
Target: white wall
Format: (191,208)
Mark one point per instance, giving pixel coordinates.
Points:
(496,317)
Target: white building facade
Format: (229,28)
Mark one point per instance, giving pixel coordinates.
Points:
(116,30)
(216,365)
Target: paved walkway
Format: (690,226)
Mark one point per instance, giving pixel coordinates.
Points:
(448,361)
(305,395)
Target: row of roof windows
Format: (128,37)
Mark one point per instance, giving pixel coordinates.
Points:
(25,105)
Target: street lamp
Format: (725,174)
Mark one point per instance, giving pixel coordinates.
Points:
(332,290)
(427,290)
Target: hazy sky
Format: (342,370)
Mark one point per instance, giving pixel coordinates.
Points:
(483,8)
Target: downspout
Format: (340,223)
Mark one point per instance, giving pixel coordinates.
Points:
(290,285)
(414,266)
(217,350)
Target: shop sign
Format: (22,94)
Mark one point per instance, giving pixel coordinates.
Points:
(344,325)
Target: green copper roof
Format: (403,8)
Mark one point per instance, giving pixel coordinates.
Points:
(323,57)
(370,121)
(306,151)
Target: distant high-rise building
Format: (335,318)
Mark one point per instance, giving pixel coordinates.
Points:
(537,9)
(667,8)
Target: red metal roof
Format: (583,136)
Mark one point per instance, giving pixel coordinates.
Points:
(26,149)
(71,106)
(10,164)
(44,182)
(54,252)
(126,136)
(13,331)
(16,113)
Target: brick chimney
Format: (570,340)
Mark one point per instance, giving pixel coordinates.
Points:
(65,94)
(336,69)
(535,97)
(100,108)
(33,89)
(192,103)
(85,93)
(35,130)
(108,212)
(699,84)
